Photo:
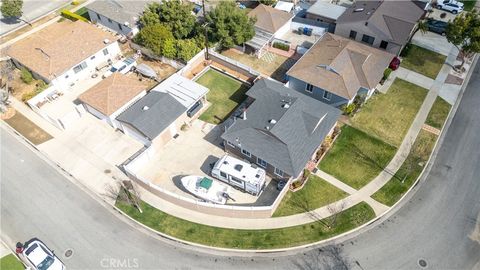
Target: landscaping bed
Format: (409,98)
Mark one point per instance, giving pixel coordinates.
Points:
(389,116)
(249,239)
(225,95)
(423,61)
(28,129)
(315,194)
(438,113)
(356,157)
(410,170)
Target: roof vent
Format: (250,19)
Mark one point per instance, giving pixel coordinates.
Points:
(126,23)
(238,167)
(106,41)
(267,128)
(286,106)
(145,108)
(358,10)
(273,121)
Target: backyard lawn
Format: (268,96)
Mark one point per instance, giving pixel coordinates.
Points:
(249,239)
(389,116)
(315,194)
(391,192)
(10,262)
(423,61)
(356,158)
(225,95)
(438,114)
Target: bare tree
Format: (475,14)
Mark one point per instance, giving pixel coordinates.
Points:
(126,191)
(335,209)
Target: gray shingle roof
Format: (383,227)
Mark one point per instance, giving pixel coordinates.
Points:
(298,132)
(120,11)
(153,113)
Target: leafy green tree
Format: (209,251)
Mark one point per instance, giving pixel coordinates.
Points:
(187,48)
(464,33)
(230,25)
(169,48)
(153,37)
(150,14)
(268,2)
(11,8)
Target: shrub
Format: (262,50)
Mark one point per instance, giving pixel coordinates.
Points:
(349,109)
(281,46)
(26,76)
(72,16)
(41,85)
(443,15)
(387,73)
(306,174)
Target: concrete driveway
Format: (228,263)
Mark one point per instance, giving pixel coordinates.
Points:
(432,41)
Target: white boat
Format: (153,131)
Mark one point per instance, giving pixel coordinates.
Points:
(206,188)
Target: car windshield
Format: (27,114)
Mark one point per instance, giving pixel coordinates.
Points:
(113,69)
(45,264)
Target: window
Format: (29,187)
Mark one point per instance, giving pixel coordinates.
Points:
(383,45)
(231,144)
(66,76)
(278,172)
(368,39)
(327,95)
(309,88)
(120,26)
(105,51)
(80,67)
(222,174)
(98,16)
(353,34)
(246,153)
(262,163)
(93,57)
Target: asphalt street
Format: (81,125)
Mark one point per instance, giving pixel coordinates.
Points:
(436,225)
(32,9)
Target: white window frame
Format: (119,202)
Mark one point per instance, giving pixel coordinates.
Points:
(231,144)
(260,163)
(309,88)
(327,95)
(80,67)
(279,172)
(246,153)
(105,51)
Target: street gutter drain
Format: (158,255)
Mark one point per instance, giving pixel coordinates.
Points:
(422,263)
(68,253)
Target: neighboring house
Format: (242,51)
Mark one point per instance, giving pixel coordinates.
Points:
(335,70)
(284,6)
(120,16)
(271,23)
(65,52)
(387,25)
(281,130)
(156,117)
(326,12)
(111,96)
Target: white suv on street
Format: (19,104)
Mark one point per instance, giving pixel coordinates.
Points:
(451,5)
(40,257)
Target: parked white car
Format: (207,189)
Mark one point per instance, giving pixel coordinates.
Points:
(451,5)
(40,257)
(123,66)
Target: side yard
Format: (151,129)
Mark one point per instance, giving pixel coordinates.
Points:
(356,157)
(315,194)
(225,95)
(423,61)
(389,116)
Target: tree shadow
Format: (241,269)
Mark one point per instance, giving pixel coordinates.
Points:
(328,258)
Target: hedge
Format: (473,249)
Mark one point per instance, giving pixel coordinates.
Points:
(72,16)
(281,46)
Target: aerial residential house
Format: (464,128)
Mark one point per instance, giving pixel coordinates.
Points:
(120,16)
(335,70)
(64,53)
(387,25)
(111,96)
(271,23)
(322,11)
(281,130)
(156,118)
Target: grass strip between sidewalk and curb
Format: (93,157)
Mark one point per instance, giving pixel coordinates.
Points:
(315,194)
(410,170)
(28,129)
(10,262)
(438,113)
(248,239)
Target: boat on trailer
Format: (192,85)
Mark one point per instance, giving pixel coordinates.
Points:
(206,189)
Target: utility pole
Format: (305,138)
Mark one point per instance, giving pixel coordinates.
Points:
(206,30)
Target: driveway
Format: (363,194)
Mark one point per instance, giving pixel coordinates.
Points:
(432,41)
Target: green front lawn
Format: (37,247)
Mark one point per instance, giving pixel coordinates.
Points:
(468,5)
(315,194)
(10,262)
(356,158)
(249,239)
(423,61)
(438,113)
(389,116)
(394,189)
(225,95)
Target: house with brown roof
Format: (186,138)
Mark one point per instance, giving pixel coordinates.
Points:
(335,70)
(386,24)
(111,96)
(64,53)
(271,23)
